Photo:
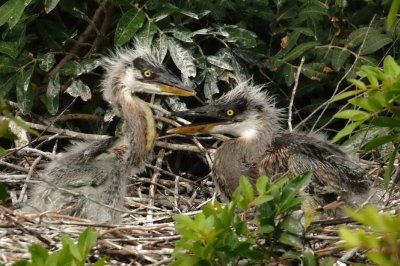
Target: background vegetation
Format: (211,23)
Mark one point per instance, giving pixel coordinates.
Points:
(50,72)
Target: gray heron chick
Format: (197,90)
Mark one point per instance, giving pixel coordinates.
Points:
(260,147)
(90,179)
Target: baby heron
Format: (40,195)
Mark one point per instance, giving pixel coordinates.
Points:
(90,179)
(260,147)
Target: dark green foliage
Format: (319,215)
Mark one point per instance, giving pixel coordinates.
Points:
(256,226)
(70,254)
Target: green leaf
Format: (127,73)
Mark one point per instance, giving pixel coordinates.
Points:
(86,241)
(379,141)
(300,50)
(374,42)
(383,121)
(11,49)
(8,65)
(339,58)
(39,254)
(261,184)
(78,89)
(359,84)
(263,199)
(392,15)
(233,33)
(128,25)
(53,94)
(246,188)
(50,5)
(347,130)
(345,95)
(47,61)
(11,11)
(7,81)
(390,66)
(292,225)
(181,33)
(377,100)
(353,115)
(289,72)
(182,58)
(147,32)
(309,258)
(219,62)
(363,103)
(290,240)
(314,71)
(24,90)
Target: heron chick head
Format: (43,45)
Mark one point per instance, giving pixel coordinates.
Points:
(140,69)
(242,112)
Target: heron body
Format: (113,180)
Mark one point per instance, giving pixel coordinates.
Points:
(90,179)
(260,147)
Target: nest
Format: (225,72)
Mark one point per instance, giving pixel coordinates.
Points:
(176,181)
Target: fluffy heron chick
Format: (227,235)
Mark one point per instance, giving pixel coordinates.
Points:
(90,179)
(260,147)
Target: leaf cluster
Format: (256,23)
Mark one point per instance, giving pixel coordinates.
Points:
(70,254)
(375,101)
(380,238)
(251,228)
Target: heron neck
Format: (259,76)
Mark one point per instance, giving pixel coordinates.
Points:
(138,128)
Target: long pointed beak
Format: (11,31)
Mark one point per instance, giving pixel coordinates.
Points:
(209,116)
(192,129)
(169,84)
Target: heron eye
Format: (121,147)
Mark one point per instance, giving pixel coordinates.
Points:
(147,74)
(230,112)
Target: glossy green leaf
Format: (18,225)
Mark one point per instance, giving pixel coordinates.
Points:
(146,33)
(246,188)
(363,103)
(392,15)
(261,184)
(8,82)
(391,67)
(128,25)
(86,241)
(10,48)
(8,65)
(24,90)
(39,254)
(293,225)
(347,130)
(379,141)
(47,61)
(290,240)
(345,95)
(182,34)
(309,258)
(182,58)
(359,84)
(377,99)
(374,42)
(383,121)
(78,89)
(353,115)
(289,73)
(245,38)
(300,50)
(219,62)
(339,58)
(314,71)
(11,11)
(50,5)
(53,94)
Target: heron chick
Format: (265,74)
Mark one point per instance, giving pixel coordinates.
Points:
(260,147)
(90,179)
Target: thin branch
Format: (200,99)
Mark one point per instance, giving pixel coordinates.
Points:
(296,83)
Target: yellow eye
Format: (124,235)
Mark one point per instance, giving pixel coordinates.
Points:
(147,73)
(230,112)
